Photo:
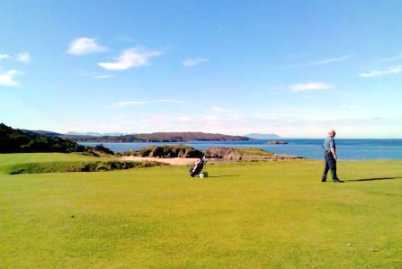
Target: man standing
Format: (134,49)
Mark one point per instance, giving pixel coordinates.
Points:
(330,157)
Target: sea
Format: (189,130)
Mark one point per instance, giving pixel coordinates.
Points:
(348,149)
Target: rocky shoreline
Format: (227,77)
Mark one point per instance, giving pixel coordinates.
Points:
(214,153)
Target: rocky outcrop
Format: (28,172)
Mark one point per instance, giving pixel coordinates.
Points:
(277,142)
(168,151)
(244,154)
(214,153)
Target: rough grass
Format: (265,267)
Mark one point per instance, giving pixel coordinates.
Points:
(77,166)
(245,215)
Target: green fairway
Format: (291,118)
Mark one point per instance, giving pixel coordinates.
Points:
(245,215)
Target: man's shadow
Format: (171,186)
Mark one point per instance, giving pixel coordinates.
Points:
(371,179)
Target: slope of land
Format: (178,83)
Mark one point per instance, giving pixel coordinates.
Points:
(13,140)
(245,215)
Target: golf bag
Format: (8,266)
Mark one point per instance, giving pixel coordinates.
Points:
(197,168)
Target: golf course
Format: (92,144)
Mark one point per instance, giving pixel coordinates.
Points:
(267,214)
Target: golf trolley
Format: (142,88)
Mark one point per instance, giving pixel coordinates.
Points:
(196,169)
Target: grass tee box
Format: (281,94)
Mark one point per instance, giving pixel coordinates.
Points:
(245,215)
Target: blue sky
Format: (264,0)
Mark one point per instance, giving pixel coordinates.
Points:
(295,68)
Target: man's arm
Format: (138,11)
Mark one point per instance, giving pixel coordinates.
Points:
(332,148)
(333,151)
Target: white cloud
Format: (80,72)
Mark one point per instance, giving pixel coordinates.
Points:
(190,62)
(8,78)
(4,56)
(394,58)
(128,103)
(321,61)
(310,86)
(184,118)
(102,76)
(23,57)
(84,45)
(383,72)
(220,109)
(331,60)
(130,58)
(96,75)
(141,103)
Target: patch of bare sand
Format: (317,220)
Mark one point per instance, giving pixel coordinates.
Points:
(171,161)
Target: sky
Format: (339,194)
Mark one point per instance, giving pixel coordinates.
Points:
(293,68)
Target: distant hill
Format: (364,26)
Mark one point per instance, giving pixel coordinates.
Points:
(93,134)
(157,137)
(14,140)
(41,132)
(189,136)
(263,136)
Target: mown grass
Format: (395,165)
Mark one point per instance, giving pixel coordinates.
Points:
(245,215)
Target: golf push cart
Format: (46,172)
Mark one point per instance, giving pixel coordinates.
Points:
(196,169)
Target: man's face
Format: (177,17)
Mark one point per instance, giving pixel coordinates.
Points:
(332,133)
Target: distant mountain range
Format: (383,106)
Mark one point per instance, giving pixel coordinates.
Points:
(263,136)
(151,137)
(18,140)
(95,134)
(157,137)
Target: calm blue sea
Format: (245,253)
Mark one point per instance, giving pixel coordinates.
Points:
(348,149)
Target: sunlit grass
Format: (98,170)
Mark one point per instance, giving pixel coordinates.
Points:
(246,215)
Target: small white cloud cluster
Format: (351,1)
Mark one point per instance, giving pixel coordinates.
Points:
(84,45)
(130,58)
(191,62)
(392,70)
(4,57)
(331,60)
(310,86)
(8,77)
(141,103)
(22,57)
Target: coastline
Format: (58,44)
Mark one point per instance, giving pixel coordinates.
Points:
(349,149)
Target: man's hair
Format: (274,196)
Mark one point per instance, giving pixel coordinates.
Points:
(332,132)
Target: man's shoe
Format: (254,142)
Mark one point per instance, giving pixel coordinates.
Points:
(323,180)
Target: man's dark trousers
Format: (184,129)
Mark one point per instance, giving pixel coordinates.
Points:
(330,164)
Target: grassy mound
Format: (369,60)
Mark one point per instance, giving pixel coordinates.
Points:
(60,167)
(238,154)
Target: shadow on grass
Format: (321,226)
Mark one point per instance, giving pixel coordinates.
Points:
(371,179)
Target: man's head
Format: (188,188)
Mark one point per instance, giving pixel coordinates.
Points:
(332,133)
